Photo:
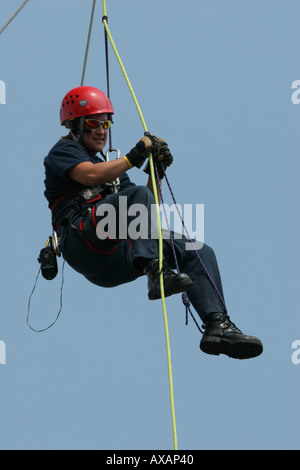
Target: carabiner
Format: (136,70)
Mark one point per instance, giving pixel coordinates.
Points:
(110,151)
(115,184)
(56,243)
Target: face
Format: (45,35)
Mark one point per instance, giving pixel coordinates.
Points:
(95,140)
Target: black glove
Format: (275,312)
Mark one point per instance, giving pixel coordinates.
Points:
(148,144)
(163,158)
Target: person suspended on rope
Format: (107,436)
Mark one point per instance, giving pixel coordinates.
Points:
(87,194)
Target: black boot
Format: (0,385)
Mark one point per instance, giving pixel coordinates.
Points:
(173,283)
(221,336)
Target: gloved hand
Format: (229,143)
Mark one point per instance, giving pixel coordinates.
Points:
(148,144)
(163,157)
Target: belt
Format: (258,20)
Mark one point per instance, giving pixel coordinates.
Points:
(71,203)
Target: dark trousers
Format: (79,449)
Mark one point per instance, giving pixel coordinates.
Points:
(118,263)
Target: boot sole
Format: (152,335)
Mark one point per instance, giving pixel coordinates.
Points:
(181,286)
(234,349)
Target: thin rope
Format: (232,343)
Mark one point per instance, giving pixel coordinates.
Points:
(185,297)
(14,15)
(194,248)
(88,43)
(60,301)
(107,80)
(104,19)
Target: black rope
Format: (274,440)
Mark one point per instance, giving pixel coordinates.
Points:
(88,43)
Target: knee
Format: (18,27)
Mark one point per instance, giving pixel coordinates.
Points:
(143,190)
(143,195)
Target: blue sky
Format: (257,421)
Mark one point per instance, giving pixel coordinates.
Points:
(213,78)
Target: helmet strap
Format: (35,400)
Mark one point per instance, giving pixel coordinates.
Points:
(74,137)
(81,130)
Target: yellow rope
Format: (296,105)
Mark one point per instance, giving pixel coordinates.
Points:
(159,227)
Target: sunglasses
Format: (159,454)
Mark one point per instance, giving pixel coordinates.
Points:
(95,123)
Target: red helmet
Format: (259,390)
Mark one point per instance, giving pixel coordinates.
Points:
(84,101)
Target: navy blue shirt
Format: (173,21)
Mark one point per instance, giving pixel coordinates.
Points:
(62,157)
